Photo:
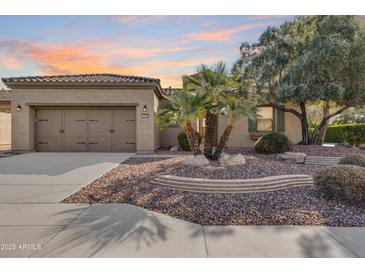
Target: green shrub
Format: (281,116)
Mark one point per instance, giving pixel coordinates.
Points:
(351,133)
(343,182)
(354,159)
(354,135)
(183,140)
(273,143)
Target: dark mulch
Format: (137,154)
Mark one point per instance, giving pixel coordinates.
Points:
(130,183)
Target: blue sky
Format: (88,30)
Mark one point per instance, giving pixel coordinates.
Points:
(165,47)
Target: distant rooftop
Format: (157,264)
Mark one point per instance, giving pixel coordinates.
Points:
(169,91)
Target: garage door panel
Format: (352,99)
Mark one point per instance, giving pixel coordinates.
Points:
(124,137)
(100,123)
(125,144)
(75,123)
(72,144)
(49,123)
(125,123)
(100,145)
(49,144)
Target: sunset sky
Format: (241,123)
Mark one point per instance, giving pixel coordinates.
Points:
(164,47)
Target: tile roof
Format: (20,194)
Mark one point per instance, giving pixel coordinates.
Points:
(169,91)
(102,78)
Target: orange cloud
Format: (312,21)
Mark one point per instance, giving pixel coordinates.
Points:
(11,62)
(222,34)
(54,59)
(170,81)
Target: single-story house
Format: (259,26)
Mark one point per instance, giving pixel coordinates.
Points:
(109,113)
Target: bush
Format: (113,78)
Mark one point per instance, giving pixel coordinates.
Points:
(343,182)
(351,133)
(183,140)
(354,135)
(273,143)
(354,159)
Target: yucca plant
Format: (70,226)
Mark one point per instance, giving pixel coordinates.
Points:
(184,107)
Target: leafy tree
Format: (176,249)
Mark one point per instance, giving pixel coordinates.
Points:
(351,115)
(309,60)
(183,108)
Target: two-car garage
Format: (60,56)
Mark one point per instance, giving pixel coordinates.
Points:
(80,129)
(84,113)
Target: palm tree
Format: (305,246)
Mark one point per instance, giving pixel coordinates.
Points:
(184,107)
(209,81)
(233,107)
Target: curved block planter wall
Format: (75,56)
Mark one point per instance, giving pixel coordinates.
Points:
(235,185)
(318,160)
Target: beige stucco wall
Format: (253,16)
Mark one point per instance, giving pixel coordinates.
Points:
(292,128)
(23,121)
(5,125)
(240,136)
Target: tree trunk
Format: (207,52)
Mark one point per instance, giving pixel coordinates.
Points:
(304,124)
(210,133)
(325,121)
(319,138)
(192,139)
(222,142)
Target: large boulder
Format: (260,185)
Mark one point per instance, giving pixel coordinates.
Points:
(224,158)
(174,148)
(238,159)
(296,157)
(199,160)
(231,160)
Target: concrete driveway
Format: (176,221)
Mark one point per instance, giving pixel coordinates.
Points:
(51,177)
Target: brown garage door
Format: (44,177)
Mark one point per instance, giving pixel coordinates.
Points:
(80,130)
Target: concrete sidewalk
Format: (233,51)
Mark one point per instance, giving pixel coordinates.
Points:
(121,230)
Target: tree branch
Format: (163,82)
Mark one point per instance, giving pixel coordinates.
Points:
(285,109)
(324,121)
(335,113)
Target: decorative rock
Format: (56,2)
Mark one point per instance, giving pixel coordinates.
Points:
(224,158)
(239,159)
(174,148)
(199,160)
(297,157)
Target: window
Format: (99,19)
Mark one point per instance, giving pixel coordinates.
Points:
(265,119)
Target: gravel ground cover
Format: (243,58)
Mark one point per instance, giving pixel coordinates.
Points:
(130,182)
(327,151)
